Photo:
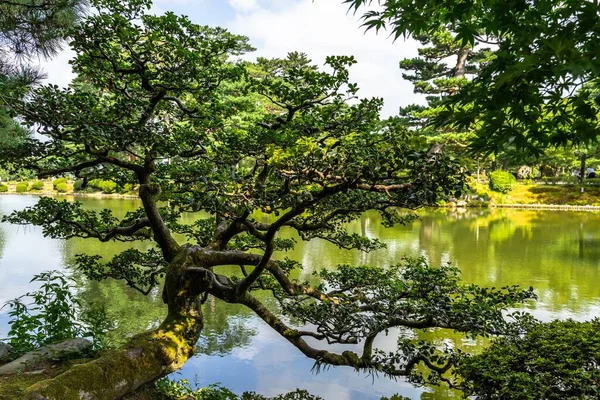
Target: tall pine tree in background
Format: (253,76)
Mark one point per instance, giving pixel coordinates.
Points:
(443,66)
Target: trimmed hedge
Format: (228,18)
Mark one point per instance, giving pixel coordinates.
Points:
(127,188)
(502,181)
(105,186)
(21,187)
(62,187)
(592,181)
(37,185)
(108,187)
(3,188)
(58,181)
(567,179)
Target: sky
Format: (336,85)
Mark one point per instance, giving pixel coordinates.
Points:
(316,27)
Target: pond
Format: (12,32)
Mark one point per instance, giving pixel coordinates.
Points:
(558,253)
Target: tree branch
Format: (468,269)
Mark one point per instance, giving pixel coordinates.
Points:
(162,234)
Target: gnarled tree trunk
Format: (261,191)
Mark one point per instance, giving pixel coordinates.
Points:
(146,357)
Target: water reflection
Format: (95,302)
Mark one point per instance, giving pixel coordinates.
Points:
(558,253)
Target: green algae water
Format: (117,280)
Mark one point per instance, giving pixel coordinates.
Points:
(556,252)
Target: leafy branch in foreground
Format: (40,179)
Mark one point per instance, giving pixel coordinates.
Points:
(54,314)
(534,93)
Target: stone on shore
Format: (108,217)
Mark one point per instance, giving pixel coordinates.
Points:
(35,360)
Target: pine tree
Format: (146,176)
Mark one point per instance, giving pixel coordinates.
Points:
(443,66)
(28,29)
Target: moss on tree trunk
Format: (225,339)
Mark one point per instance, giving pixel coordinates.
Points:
(145,358)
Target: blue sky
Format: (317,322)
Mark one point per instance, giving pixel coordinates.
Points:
(316,27)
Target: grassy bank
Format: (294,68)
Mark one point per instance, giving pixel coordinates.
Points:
(529,194)
(557,194)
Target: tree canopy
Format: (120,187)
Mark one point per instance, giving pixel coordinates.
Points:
(246,149)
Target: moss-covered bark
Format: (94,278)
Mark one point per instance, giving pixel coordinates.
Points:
(145,358)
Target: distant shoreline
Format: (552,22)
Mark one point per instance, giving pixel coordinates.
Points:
(544,207)
(75,194)
(526,197)
(564,207)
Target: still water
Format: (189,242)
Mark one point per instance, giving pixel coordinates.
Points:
(558,253)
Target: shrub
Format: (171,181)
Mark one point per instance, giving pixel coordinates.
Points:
(127,188)
(77,184)
(58,181)
(550,179)
(555,360)
(37,185)
(21,187)
(3,188)
(502,181)
(95,183)
(108,186)
(62,187)
(592,181)
(568,179)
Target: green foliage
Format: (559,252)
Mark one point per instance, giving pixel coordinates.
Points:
(84,223)
(127,188)
(21,187)
(411,294)
(53,315)
(437,79)
(37,185)
(12,134)
(502,181)
(78,185)
(556,360)
(62,187)
(537,91)
(140,270)
(35,27)
(108,187)
(592,181)
(58,181)
(3,188)
(94,183)
(183,389)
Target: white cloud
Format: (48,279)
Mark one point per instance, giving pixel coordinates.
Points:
(321,28)
(244,6)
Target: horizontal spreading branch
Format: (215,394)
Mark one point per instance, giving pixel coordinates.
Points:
(347,358)
(66,220)
(126,231)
